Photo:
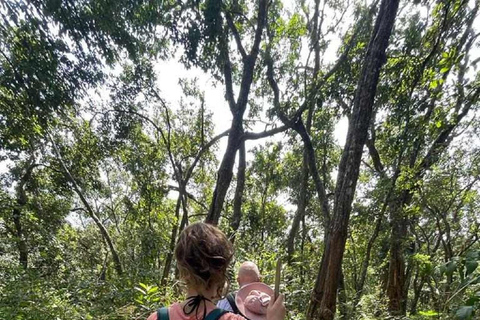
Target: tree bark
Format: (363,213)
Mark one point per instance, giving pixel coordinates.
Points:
(21,243)
(173,241)
(416,294)
(323,300)
(302,205)
(17,214)
(299,127)
(399,222)
(396,270)
(237,202)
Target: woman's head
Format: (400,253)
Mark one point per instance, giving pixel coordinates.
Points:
(203,254)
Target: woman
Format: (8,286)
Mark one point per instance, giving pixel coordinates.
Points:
(203,254)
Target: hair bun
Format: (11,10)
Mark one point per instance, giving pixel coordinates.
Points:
(203,254)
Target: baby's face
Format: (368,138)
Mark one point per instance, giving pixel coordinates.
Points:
(257,302)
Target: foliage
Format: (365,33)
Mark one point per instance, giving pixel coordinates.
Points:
(101,166)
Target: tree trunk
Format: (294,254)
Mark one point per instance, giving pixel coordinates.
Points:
(302,205)
(416,293)
(396,272)
(309,165)
(225,172)
(17,213)
(21,243)
(366,262)
(323,300)
(302,248)
(299,127)
(399,222)
(173,240)
(237,202)
(342,298)
(406,287)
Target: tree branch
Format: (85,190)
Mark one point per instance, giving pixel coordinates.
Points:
(264,134)
(89,209)
(249,64)
(227,73)
(443,139)
(236,35)
(189,195)
(377,163)
(202,151)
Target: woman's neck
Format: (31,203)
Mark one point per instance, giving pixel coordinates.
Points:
(207,303)
(209,294)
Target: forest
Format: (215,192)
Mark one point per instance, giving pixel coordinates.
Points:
(341,136)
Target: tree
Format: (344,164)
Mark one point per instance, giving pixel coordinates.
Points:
(324,294)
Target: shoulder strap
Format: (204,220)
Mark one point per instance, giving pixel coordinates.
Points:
(233,304)
(215,314)
(162,314)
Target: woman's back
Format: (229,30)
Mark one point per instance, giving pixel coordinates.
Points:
(175,312)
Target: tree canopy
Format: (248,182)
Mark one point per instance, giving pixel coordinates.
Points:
(345,141)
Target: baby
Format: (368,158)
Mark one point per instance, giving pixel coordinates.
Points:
(257,302)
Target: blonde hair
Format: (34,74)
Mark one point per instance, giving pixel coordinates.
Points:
(203,254)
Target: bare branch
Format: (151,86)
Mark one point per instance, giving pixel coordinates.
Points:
(202,151)
(189,195)
(236,35)
(249,63)
(261,21)
(264,134)
(377,163)
(227,72)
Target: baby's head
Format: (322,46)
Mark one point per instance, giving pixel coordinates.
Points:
(248,273)
(203,254)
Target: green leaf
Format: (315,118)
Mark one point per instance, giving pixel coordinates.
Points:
(472,300)
(470,266)
(152,290)
(438,123)
(442,269)
(433,84)
(429,313)
(464,313)
(450,267)
(473,255)
(444,69)
(141,290)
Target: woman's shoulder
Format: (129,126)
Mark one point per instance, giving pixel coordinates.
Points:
(173,311)
(153,316)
